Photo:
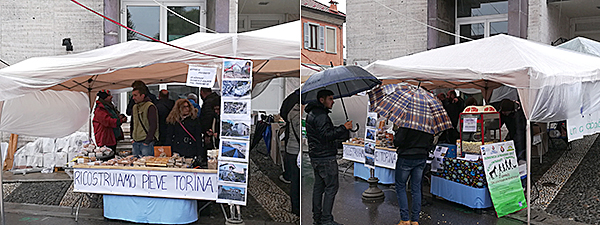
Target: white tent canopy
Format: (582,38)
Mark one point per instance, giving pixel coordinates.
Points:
(274,51)
(546,77)
(581,44)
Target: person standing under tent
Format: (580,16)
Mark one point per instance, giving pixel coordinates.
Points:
(193,98)
(107,121)
(290,112)
(413,149)
(209,100)
(183,131)
(145,120)
(511,114)
(322,149)
(211,139)
(164,105)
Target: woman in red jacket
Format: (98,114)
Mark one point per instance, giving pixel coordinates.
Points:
(107,121)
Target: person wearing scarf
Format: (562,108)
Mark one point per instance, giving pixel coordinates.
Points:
(107,121)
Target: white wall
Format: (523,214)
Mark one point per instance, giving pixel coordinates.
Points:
(545,23)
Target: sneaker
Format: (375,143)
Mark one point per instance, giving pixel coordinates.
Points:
(282,179)
(332,223)
(404,223)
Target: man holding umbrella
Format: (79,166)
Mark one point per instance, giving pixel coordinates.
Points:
(322,149)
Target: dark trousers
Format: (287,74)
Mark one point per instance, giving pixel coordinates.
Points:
(289,162)
(325,188)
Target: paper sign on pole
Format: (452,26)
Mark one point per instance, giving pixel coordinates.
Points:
(502,175)
(203,77)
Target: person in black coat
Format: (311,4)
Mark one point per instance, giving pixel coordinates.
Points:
(164,107)
(183,131)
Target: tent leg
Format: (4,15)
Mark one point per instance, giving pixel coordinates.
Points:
(528,152)
(2,214)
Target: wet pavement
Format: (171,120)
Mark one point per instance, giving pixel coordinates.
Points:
(574,198)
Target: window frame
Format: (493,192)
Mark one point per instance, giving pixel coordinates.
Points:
(162,14)
(320,37)
(334,39)
(486,20)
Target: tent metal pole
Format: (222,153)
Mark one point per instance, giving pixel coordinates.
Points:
(2,214)
(528,151)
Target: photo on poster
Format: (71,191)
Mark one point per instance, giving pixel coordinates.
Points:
(237,69)
(231,194)
(235,128)
(371,119)
(369,161)
(236,89)
(233,172)
(236,107)
(369,148)
(234,150)
(371,135)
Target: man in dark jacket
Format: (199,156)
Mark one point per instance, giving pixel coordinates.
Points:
(322,149)
(511,114)
(164,105)
(208,115)
(413,149)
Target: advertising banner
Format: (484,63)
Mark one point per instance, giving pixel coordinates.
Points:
(502,175)
(151,183)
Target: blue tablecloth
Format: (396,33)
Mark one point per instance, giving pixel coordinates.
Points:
(477,198)
(150,210)
(385,175)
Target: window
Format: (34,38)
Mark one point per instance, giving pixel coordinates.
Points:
(153,20)
(250,22)
(330,38)
(314,37)
(481,18)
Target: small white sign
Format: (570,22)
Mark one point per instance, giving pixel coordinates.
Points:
(469,125)
(203,77)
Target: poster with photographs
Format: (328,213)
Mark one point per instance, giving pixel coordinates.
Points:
(236,109)
(237,69)
(370,154)
(236,91)
(232,172)
(234,150)
(370,134)
(372,120)
(231,194)
(235,128)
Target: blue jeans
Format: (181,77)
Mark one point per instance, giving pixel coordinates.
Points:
(325,188)
(414,169)
(139,148)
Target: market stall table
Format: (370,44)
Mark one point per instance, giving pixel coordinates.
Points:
(385,161)
(148,194)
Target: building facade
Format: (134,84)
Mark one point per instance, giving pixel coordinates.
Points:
(381,30)
(322,34)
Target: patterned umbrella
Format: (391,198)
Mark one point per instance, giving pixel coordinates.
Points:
(410,107)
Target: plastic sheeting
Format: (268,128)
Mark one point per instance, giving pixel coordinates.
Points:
(45,113)
(274,51)
(546,77)
(49,152)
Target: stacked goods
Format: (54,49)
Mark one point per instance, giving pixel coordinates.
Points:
(360,141)
(174,161)
(385,139)
(473,147)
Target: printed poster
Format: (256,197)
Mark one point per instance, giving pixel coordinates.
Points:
(236,90)
(502,175)
(370,155)
(203,77)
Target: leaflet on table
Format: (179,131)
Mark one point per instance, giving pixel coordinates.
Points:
(438,158)
(354,153)
(370,154)
(200,76)
(502,175)
(152,183)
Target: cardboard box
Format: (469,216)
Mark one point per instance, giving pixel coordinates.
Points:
(158,150)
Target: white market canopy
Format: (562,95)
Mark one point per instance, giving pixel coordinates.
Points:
(553,84)
(274,52)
